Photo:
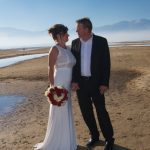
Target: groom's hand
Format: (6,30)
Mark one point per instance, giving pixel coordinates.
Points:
(74,86)
(103,89)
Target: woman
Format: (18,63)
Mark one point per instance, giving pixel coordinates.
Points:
(60,133)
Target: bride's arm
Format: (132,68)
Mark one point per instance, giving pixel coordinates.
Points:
(52,57)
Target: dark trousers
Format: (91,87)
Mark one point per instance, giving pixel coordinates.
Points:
(89,94)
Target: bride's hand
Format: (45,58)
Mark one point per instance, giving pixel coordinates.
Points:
(75,86)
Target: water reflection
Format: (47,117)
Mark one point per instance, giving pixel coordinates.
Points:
(9,102)
(12,60)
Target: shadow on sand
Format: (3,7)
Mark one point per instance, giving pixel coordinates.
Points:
(102,143)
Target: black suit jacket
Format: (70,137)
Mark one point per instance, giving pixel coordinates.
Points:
(100,61)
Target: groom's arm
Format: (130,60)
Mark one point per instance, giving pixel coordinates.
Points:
(75,70)
(105,64)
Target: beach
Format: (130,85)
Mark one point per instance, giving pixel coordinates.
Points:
(127,101)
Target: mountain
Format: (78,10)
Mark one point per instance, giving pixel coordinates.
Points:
(134,25)
(134,30)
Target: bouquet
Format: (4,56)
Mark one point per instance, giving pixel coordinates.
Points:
(57,95)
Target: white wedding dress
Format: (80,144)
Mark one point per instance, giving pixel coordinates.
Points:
(60,134)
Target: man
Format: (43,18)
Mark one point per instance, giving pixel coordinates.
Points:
(90,79)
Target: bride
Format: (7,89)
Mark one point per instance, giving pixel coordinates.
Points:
(60,134)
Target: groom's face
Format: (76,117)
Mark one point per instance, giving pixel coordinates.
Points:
(80,30)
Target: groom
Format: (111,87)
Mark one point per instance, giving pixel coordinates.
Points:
(90,80)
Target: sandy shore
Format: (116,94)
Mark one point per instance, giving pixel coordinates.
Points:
(127,101)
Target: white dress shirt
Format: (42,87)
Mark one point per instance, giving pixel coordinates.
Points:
(86,49)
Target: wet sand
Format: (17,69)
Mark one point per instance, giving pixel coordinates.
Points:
(127,101)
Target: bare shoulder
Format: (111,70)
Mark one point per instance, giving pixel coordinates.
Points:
(53,50)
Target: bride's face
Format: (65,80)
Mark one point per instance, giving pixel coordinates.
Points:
(62,37)
(65,37)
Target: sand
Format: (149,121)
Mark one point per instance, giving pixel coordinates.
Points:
(127,101)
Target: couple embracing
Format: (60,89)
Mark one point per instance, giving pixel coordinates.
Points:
(85,69)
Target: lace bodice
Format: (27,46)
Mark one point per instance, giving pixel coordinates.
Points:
(65,58)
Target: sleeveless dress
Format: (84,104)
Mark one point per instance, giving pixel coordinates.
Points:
(60,134)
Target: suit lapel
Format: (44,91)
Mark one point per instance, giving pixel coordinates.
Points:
(79,47)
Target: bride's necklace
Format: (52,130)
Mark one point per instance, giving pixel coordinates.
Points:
(62,46)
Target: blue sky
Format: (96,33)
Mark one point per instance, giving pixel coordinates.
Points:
(38,15)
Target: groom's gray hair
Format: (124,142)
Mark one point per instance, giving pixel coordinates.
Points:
(86,23)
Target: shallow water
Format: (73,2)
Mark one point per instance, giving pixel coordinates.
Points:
(13,60)
(9,102)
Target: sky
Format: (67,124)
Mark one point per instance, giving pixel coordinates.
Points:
(39,15)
